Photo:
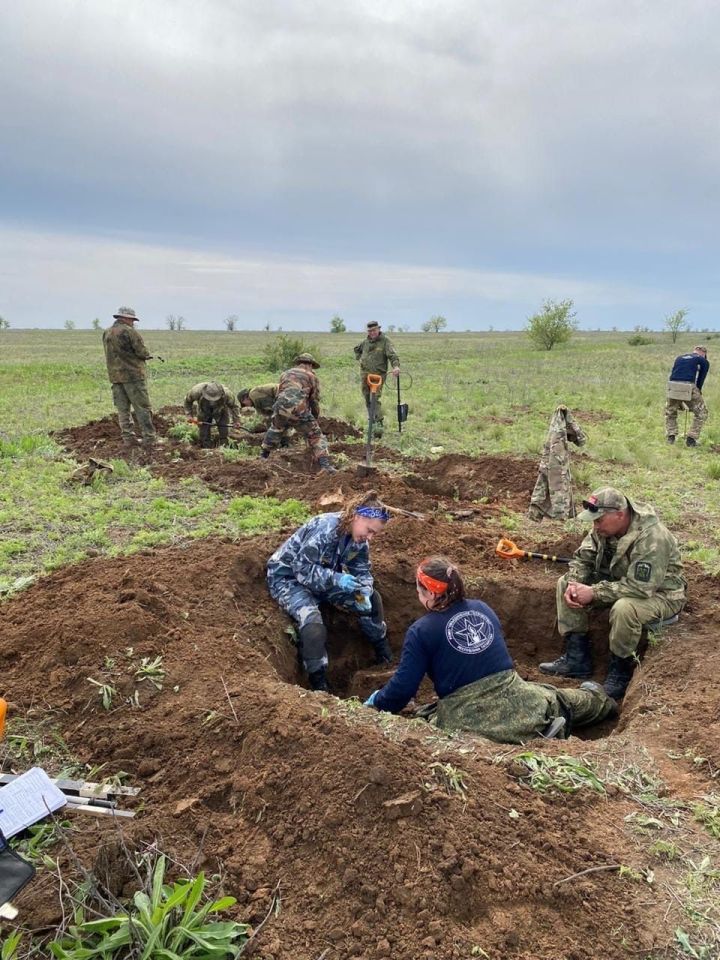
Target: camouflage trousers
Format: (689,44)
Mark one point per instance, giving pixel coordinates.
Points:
(133,395)
(507,709)
(304,607)
(282,425)
(208,414)
(378,427)
(696,406)
(628,616)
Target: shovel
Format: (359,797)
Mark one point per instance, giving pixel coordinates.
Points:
(402,408)
(511,551)
(374,382)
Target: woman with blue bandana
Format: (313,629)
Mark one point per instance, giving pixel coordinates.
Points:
(459,645)
(328,561)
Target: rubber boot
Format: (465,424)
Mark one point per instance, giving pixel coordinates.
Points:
(318,680)
(325,464)
(620,671)
(383,652)
(574,661)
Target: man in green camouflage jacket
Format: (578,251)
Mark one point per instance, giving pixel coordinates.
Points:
(629,562)
(215,403)
(262,400)
(298,405)
(125,356)
(375,353)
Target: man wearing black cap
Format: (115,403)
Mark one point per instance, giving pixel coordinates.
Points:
(375,353)
(629,562)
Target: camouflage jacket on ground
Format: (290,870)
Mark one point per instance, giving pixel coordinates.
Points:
(125,353)
(643,563)
(553,496)
(375,355)
(263,397)
(298,392)
(226,402)
(317,551)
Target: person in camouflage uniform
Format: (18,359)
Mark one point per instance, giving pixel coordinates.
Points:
(215,403)
(298,405)
(125,356)
(262,400)
(327,561)
(375,352)
(629,562)
(553,496)
(684,390)
(459,644)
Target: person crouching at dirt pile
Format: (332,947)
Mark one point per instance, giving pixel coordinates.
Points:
(214,403)
(298,405)
(125,356)
(262,400)
(629,562)
(328,561)
(459,644)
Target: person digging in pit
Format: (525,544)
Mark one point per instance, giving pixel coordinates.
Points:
(629,562)
(260,399)
(327,561)
(215,404)
(298,406)
(459,644)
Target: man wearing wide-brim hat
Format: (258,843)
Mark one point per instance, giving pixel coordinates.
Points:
(298,406)
(125,356)
(629,562)
(375,354)
(215,404)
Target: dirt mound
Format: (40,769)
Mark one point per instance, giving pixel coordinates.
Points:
(347,814)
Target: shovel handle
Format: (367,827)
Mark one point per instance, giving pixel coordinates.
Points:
(374,381)
(511,551)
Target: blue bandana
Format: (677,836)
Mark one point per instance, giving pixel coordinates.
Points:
(373,513)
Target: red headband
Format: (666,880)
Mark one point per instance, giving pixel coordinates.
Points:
(434,586)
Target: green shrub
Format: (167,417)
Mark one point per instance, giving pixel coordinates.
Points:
(638,340)
(280,353)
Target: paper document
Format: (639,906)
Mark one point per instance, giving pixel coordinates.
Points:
(27,800)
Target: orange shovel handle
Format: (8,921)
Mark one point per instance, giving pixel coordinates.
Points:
(509,550)
(374,381)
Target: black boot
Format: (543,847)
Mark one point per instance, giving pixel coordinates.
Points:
(574,661)
(318,680)
(690,442)
(264,454)
(620,671)
(383,652)
(670,439)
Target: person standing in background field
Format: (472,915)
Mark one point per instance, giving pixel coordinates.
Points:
(375,353)
(684,389)
(125,356)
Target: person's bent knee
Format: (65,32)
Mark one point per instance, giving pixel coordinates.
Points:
(625,610)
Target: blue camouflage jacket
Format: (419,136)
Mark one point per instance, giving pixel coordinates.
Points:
(317,551)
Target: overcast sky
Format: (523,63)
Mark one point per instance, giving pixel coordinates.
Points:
(285,161)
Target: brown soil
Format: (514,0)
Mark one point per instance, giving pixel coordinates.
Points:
(246,773)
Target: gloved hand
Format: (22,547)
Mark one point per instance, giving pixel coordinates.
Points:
(370,702)
(348,583)
(362,603)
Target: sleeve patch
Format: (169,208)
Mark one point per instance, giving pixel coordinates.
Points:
(643,571)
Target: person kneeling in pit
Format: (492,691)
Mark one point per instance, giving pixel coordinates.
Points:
(629,562)
(327,561)
(459,644)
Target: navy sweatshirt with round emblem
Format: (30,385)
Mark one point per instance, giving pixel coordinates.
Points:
(453,647)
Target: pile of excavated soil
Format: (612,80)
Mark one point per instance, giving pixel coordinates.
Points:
(338,810)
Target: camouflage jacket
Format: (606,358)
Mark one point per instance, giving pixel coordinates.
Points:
(298,392)
(643,563)
(317,551)
(263,397)
(125,353)
(226,402)
(553,496)
(375,355)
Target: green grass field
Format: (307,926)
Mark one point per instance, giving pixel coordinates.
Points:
(472,393)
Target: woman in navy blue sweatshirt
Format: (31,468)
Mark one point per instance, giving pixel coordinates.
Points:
(459,645)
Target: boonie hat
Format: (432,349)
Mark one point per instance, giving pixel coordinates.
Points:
(371,324)
(243,393)
(125,312)
(212,391)
(602,501)
(306,358)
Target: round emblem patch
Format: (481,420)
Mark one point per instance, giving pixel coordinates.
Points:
(469,632)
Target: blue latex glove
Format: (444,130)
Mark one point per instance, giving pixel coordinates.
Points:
(348,583)
(370,702)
